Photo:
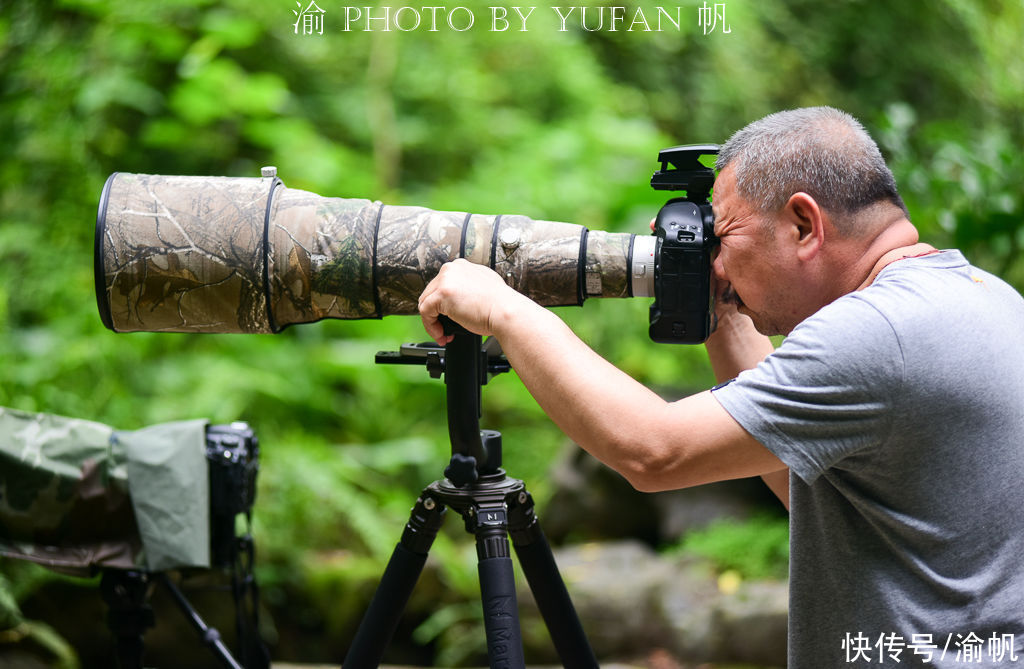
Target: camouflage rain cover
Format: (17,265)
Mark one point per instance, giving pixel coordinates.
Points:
(237,254)
(76,494)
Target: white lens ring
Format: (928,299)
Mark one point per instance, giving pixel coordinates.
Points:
(641,271)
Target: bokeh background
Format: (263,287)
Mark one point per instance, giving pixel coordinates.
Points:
(557,125)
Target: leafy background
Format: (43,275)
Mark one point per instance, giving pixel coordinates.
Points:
(554,125)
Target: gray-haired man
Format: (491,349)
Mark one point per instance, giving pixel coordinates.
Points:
(890,420)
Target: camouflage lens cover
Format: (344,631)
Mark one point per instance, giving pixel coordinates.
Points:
(227,254)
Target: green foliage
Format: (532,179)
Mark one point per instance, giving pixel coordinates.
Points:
(555,125)
(15,628)
(969,178)
(459,629)
(755,548)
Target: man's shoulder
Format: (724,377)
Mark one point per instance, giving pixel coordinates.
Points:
(947,287)
(939,290)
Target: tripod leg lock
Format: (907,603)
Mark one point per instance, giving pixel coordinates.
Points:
(523,526)
(424,523)
(489,522)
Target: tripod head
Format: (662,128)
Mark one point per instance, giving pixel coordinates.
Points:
(467,364)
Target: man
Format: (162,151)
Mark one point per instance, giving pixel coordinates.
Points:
(890,420)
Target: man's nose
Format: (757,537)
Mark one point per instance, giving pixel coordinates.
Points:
(717,266)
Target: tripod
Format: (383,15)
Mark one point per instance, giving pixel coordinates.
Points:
(493,507)
(130,615)
(127,592)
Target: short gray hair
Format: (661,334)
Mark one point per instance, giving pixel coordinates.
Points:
(820,151)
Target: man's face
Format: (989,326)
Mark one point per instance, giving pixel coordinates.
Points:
(751,268)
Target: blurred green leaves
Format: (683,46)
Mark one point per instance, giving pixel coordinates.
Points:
(755,548)
(554,125)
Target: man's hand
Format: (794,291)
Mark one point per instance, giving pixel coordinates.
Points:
(474,296)
(734,344)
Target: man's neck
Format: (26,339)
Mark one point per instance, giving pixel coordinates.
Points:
(896,239)
(912,251)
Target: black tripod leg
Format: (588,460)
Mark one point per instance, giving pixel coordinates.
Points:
(547,586)
(130,615)
(498,590)
(209,635)
(396,585)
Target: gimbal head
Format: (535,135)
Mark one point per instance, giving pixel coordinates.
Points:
(467,364)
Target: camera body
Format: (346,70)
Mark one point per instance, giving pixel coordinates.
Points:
(232,453)
(683,248)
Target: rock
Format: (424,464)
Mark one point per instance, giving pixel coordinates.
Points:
(687,602)
(633,601)
(615,589)
(751,624)
(592,502)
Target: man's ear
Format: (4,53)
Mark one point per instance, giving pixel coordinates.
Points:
(808,223)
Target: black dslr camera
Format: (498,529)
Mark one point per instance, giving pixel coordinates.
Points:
(232,453)
(680,253)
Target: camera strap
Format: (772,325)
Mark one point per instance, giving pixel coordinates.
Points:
(895,255)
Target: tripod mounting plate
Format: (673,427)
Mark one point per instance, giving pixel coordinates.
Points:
(432,357)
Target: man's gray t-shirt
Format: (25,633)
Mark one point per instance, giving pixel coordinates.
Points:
(899,410)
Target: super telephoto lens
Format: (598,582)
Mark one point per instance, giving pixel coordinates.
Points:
(236,254)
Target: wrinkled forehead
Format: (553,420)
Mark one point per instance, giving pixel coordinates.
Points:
(731,209)
(724,191)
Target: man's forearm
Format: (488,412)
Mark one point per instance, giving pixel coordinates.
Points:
(735,346)
(590,399)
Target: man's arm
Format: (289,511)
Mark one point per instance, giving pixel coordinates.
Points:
(655,444)
(733,347)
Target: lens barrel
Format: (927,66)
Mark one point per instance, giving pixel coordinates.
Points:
(235,254)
